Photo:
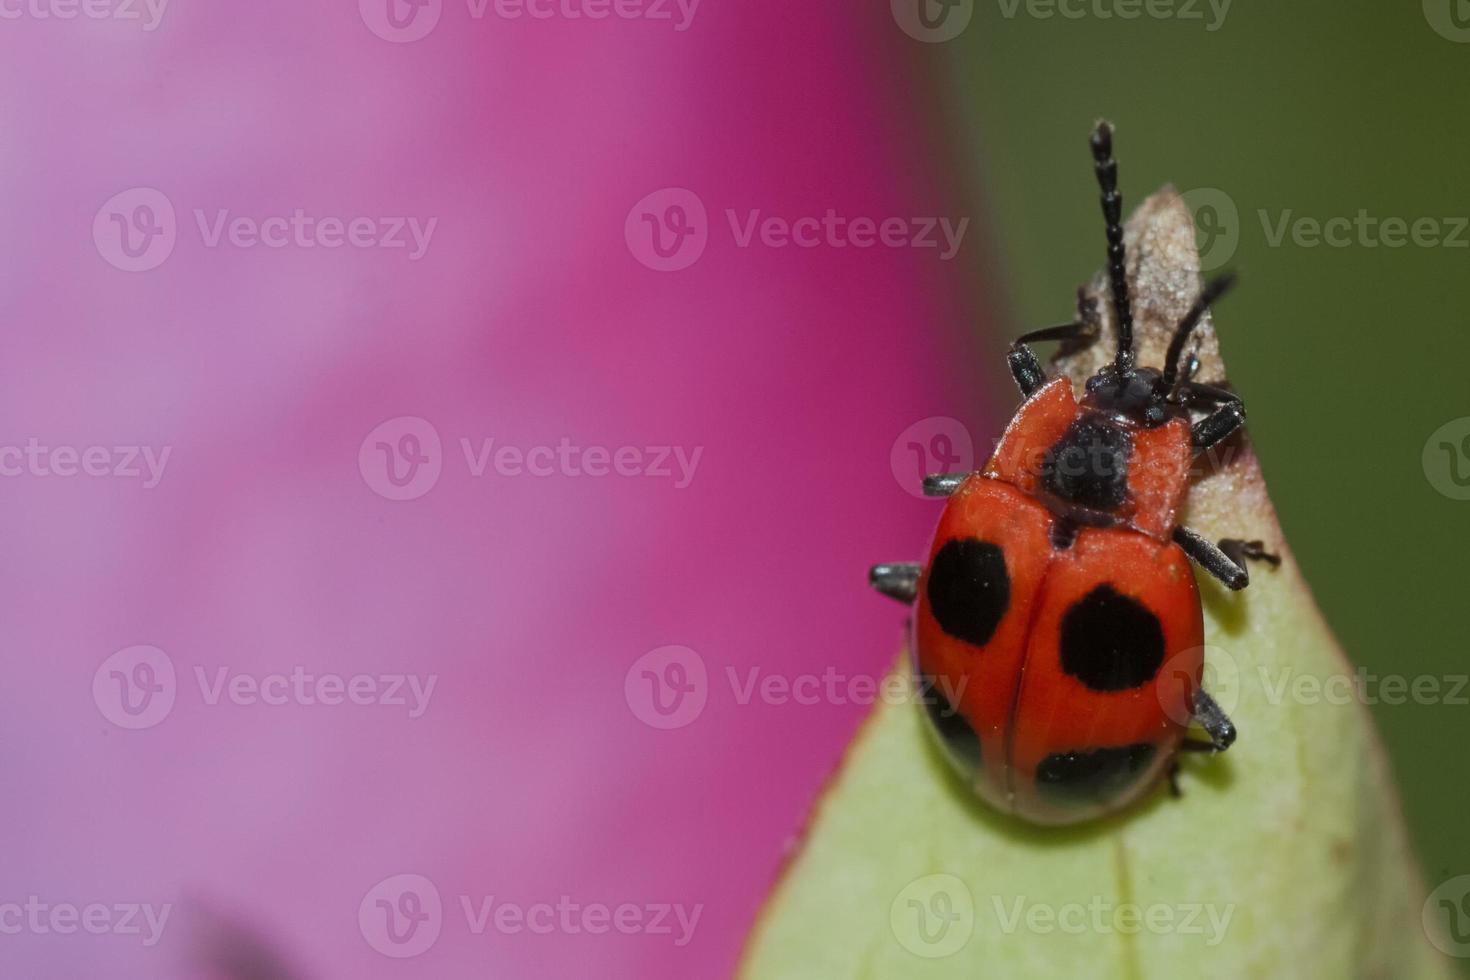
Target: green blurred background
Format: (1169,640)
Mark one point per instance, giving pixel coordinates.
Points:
(1350,357)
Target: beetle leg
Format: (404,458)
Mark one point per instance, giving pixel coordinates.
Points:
(1238,551)
(1212,559)
(1219,424)
(899,580)
(1216,723)
(1025,367)
(942,484)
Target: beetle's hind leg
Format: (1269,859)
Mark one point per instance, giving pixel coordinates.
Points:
(1216,723)
(897,580)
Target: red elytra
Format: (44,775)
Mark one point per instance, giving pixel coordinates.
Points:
(1017,697)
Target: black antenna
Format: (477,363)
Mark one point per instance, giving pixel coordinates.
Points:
(1213,290)
(1112,207)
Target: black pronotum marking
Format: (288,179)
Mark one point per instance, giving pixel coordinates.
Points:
(1092,776)
(1089,464)
(959,739)
(1111,642)
(969,589)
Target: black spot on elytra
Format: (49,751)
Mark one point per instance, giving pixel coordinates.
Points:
(969,589)
(1092,776)
(959,739)
(1111,642)
(1089,464)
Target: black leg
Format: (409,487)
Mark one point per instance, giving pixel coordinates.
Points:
(943,484)
(1218,425)
(1173,773)
(1026,369)
(1212,559)
(899,580)
(1063,332)
(1216,723)
(1198,391)
(1238,551)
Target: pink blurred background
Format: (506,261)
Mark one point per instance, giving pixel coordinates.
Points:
(538,770)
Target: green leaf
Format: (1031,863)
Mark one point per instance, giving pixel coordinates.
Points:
(1286,856)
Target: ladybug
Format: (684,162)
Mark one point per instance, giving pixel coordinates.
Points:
(1058,632)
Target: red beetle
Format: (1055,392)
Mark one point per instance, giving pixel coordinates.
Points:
(1058,585)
